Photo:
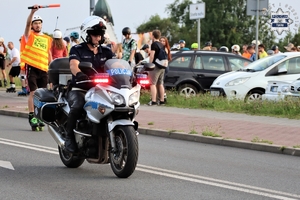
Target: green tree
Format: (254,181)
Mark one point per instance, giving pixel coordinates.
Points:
(225,23)
(290,37)
(293,38)
(284,41)
(166,26)
(265,34)
(179,14)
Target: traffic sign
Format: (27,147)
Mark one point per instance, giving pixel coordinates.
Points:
(252,7)
(197,11)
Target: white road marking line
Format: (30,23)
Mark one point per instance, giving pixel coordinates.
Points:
(220,181)
(215,184)
(29,144)
(29,147)
(6,164)
(176,175)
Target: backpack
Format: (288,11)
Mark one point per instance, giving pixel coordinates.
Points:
(130,43)
(161,60)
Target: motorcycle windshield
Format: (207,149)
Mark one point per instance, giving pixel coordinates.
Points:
(120,73)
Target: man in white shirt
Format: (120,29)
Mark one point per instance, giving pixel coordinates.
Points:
(15,66)
(146,49)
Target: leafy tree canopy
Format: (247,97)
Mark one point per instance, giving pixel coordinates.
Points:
(225,23)
(167,27)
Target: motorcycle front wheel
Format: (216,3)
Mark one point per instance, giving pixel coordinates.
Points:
(69,159)
(124,158)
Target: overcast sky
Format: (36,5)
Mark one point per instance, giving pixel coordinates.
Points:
(130,13)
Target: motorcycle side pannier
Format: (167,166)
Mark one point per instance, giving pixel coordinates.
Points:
(57,68)
(44,104)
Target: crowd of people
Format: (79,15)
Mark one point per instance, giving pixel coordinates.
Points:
(59,48)
(38,50)
(128,51)
(248,50)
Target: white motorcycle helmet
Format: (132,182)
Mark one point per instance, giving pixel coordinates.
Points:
(235,48)
(36,18)
(224,49)
(57,34)
(93,25)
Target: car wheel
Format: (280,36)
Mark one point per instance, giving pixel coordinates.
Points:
(187,90)
(255,95)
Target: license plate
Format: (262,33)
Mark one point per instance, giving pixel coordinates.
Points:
(274,88)
(215,93)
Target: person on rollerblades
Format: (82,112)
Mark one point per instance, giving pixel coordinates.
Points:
(15,66)
(37,56)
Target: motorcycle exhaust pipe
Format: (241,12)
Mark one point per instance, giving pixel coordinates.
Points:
(56,136)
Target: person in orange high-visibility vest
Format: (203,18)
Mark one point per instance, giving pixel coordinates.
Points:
(37,56)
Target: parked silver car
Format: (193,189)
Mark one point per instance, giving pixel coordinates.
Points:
(282,90)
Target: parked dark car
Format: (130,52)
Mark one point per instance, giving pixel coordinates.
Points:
(191,72)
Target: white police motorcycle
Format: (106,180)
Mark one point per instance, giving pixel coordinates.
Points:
(107,131)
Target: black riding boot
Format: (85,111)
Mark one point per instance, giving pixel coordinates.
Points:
(76,102)
(70,143)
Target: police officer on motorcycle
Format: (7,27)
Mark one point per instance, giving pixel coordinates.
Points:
(92,33)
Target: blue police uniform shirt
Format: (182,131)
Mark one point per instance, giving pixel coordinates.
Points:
(82,53)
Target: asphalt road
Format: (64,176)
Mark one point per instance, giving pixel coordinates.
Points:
(30,168)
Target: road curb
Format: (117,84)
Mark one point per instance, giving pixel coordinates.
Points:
(198,138)
(13,113)
(221,141)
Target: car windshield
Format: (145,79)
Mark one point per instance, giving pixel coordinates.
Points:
(263,63)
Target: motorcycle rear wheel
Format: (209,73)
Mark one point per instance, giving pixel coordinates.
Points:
(69,159)
(123,161)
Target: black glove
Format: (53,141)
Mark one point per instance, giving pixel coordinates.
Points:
(129,63)
(80,76)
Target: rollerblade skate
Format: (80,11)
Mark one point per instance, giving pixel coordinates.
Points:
(41,125)
(24,92)
(11,90)
(34,123)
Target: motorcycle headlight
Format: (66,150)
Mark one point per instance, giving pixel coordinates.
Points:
(117,99)
(237,81)
(134,98)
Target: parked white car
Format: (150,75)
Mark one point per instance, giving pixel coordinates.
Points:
(250,83)
(282,90)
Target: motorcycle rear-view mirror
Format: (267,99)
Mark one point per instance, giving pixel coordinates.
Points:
(149,66)
(86,67)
